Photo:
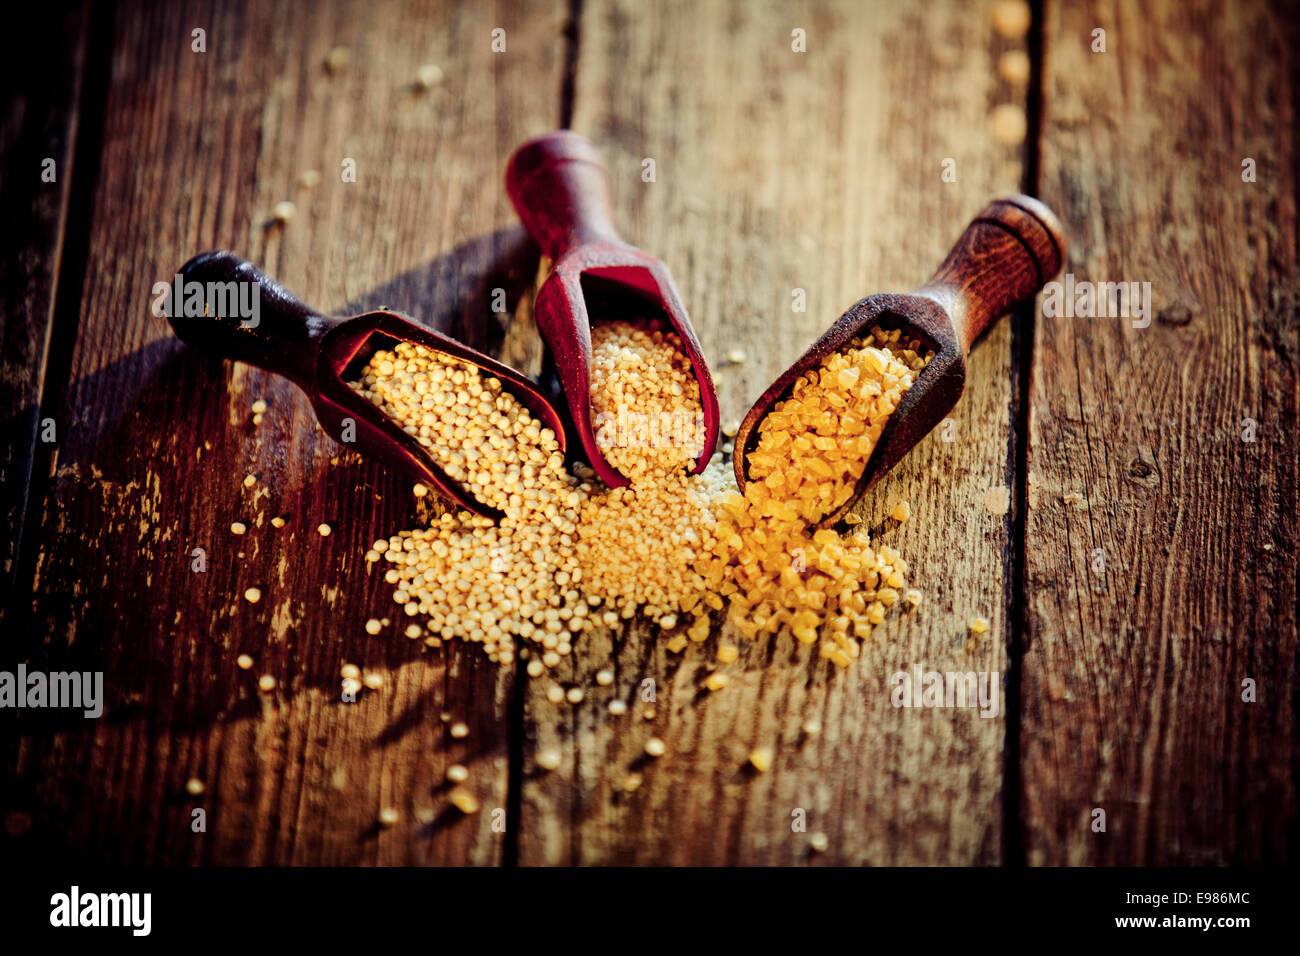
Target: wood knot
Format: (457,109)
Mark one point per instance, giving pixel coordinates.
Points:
(1142,468)
(1174,315)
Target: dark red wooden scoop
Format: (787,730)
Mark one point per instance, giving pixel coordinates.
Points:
(1005,256)
(561,192)
(315,351)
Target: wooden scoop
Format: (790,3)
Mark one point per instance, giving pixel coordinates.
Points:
(561,192)
(318,353)
(1004,258)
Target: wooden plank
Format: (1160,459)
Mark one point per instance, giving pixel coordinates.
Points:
(42,63)
(778,170)
(198,148)
(1132,680)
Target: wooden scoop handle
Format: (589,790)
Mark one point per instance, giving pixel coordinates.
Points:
(561,192)
(1005,256)
(282,337)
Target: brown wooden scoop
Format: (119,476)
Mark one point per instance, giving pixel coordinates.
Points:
(1005,256)
(561,192)
(315,351)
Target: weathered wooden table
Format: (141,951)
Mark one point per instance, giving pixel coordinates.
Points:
(1145,569)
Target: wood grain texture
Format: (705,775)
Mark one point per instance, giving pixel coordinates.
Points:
(41,74)
(819,171)
(197,149)
(1133,677)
